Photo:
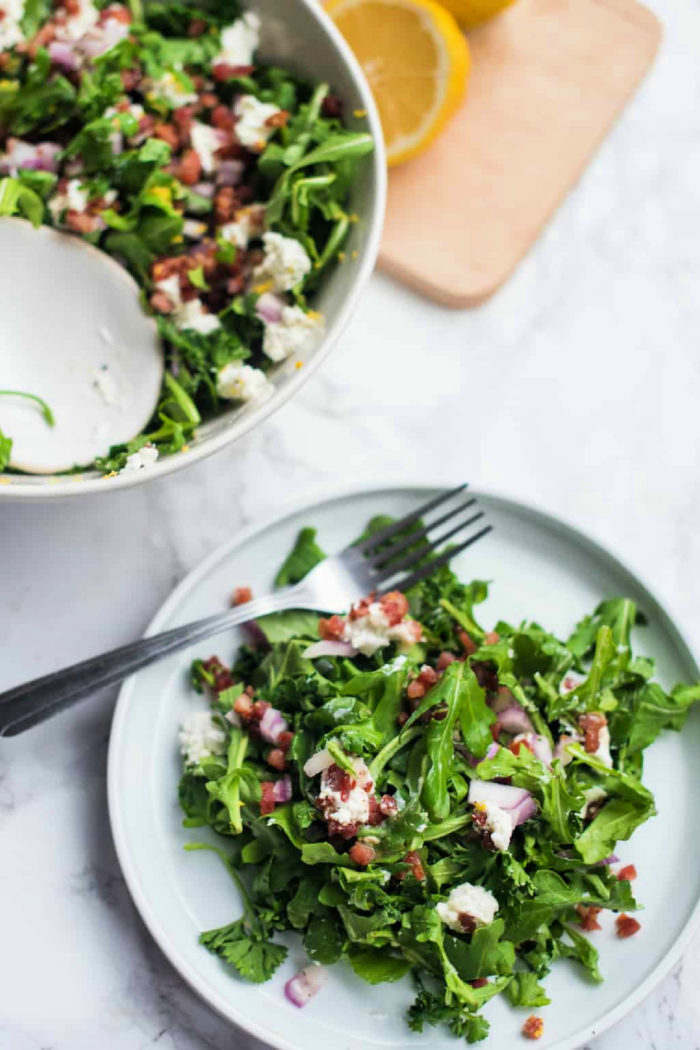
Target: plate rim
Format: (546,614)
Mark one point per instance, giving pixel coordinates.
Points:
(311,498)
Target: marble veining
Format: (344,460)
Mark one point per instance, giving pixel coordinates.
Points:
(576,387)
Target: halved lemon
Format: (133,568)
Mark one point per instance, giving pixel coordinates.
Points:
(471,13)
(417,62)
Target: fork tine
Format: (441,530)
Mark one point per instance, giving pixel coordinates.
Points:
(380,558)
(413,557)
(420,574)
(399,526)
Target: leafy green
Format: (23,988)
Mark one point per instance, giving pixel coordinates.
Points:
(303,557)
(374,892)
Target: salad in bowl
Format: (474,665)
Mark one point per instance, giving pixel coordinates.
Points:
(230,186)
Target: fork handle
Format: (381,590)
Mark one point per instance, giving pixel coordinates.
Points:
(29,704)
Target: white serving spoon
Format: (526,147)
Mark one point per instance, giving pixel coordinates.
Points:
(73,333)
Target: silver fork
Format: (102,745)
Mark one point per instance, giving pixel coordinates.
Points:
(385,561)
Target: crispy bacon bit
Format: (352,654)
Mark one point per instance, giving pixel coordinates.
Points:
(467,644)
(588,917)
(276,759)
(81,222)
(222,118)
(375,813)
(115,13)
(444,660)
(395,606)
(332,106)
(190,168)
(267,802)
(259,709)
(388,805)
(197,27)
(479,982)
(284,741)
(278,119)
(495,731)
(225,205)
(415,690)
(629,872)
(491,638)
(225,71)
(167,133)
(243,706)
(413,859)
(341,831)
(591,725)
(533,1028)
(515,746)
(402,718)
(223,679)
(332,628)
(340,781)
(361,854)
(626,926)
(241,595)
(467,922)
(131,78)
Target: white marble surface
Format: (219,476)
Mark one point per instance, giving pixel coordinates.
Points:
(577,386)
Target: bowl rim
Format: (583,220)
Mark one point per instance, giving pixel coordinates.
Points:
(54,486)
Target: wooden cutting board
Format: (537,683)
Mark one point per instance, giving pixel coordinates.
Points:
(549,78)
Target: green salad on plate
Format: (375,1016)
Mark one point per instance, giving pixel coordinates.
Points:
(422,797)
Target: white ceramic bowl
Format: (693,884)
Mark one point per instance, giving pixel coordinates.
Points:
(298,35)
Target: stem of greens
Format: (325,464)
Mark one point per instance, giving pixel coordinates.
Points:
(446,827)
(390,749)
(45,410)
(183,399)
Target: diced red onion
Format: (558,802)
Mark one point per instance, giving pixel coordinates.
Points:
(503,795)
(272,724)
(232,716)
(318,762)
(204,189)
(20,154)
(230,172)
(103,38)
(62,54)
(305,985)
(269,308)
(282,790)
(612,859)
(116,141)
(514,720)
(539,745)
(327,647)
(491,752)
(503,698)
(524,811)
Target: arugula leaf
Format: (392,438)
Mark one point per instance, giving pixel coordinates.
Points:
(284,626)
(18,199)
(525,990)
(376,966)
(303,557)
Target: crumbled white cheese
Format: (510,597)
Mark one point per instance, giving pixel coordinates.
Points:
(10,28)
(499,825)
(466,899)
(355,808)
(369,633)
(79,23)
(193,316)
(295,333)
(239,382)
(249,223)
(602,752)
(193,229)
(141,460)
(240,41)
(252,128)
(591,796)
(285,262)
(200,737)
(173,88)
(75,198)
(205,142)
